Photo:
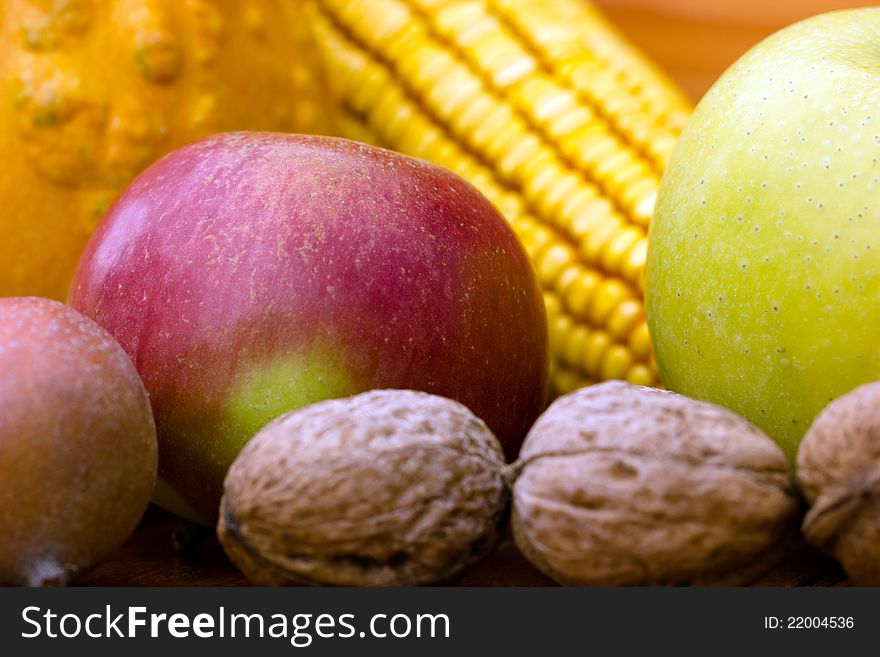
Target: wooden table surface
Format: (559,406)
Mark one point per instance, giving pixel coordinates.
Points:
(694,41)
(152,558)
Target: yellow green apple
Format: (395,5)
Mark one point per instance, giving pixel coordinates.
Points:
(763,274)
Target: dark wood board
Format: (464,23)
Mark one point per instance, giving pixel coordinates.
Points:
(152,558)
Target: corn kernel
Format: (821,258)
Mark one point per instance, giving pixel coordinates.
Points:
(624,318)
(567,380)
(641,375)
(552,261)
(609,293)
(557,329)
(598,342)
(640,341)
(616,362)
(578,295)
(552,305)
(574,344)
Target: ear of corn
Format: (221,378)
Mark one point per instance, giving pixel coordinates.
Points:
(546,110)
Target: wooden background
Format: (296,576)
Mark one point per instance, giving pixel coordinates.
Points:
(694,41)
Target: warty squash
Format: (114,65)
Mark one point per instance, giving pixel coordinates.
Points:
(92,91)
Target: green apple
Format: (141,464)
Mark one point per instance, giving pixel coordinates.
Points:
(763,273)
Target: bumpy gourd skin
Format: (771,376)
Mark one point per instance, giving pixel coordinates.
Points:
(92,91)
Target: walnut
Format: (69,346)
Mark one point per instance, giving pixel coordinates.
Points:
(623,485)
(838,469)
(390,487)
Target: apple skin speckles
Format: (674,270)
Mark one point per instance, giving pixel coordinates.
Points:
(778,175)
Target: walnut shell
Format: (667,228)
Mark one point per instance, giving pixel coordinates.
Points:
(838,469)
(387,488)
(623,485)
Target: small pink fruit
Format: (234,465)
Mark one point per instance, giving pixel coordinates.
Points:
(78,447)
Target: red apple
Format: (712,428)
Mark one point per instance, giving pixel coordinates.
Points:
(251,273)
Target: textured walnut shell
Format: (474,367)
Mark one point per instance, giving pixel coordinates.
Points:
(624,485)
(838,469)
(387,488)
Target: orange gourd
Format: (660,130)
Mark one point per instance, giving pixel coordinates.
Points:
(92,91)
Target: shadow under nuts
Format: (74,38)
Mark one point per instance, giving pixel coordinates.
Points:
(387,488)
(622,485)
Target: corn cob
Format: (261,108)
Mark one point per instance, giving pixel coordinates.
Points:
(545,109)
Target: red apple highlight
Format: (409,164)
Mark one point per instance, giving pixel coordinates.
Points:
(251,273)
